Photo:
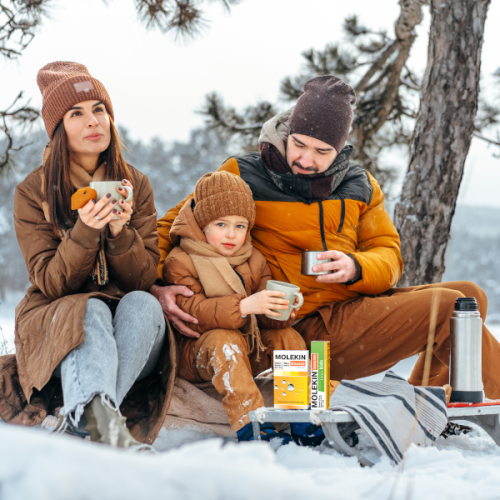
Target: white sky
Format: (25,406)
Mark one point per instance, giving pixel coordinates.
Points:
(156,84)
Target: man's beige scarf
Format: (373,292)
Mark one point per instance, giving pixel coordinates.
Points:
(80,178)
(218,279)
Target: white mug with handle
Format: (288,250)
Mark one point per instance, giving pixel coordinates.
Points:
(291,292)
(105,187)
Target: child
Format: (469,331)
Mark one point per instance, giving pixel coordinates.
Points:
(216,260)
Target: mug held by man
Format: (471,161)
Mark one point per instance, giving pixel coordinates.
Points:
(309,260)
(291,293)
(97,190)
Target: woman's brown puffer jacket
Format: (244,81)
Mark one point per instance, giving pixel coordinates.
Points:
(49,320)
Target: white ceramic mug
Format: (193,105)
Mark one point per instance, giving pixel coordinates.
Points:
(291,291)
(105,187)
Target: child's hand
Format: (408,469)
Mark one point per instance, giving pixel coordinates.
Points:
(294,311)
(262,303)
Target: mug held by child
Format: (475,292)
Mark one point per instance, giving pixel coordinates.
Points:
(291,292)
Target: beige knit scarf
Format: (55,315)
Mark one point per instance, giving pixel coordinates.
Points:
(80,178)
(218,279)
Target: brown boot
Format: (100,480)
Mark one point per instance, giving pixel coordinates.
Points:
(107,426)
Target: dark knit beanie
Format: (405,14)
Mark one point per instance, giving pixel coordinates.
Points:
(63,84)
(219,194)
(324,111)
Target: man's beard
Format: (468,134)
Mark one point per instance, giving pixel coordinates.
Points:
(313,170)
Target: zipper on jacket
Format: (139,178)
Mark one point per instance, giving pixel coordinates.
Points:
(241,278)
(342,215)
(322,226)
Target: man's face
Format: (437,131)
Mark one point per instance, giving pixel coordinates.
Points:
(306,155)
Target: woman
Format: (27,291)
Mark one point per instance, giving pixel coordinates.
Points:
(87,320)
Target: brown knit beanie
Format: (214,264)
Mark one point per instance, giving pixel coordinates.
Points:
(219,194)
(324,111)
(63,84)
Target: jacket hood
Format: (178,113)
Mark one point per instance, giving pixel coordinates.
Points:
(275,131)
(185,225)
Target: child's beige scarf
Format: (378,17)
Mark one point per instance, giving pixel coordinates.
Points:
(218,279)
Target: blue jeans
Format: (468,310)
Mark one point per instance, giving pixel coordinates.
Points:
(117,351)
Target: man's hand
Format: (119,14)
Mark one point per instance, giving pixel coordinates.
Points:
(343,266)
(166,297)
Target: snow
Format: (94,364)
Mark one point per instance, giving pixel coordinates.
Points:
(37,465)
(7,318)
(190,465)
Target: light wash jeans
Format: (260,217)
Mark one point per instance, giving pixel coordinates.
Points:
(116,352)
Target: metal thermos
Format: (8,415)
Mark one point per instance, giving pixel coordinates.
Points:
(466,378)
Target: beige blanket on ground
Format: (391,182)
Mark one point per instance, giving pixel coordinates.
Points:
(199,406)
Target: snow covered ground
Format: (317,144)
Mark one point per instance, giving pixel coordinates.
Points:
(190,465)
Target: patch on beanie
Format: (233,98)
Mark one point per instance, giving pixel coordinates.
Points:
(83,86)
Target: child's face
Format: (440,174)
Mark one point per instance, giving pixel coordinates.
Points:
(227,234)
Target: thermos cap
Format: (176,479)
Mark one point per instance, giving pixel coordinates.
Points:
(466,304)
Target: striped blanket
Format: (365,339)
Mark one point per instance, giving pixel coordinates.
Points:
(393,413)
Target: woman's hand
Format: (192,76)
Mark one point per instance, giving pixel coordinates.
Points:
(116,225)
(166,297)
(94,215)
(262,303)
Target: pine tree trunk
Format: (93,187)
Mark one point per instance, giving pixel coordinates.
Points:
(442,137)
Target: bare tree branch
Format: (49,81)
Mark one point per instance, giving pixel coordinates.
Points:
(18,22)
(489,140)
(21,115)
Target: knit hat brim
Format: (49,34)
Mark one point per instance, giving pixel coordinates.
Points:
(222,194)
(217,206)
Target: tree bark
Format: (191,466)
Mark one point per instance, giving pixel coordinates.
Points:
(442,137)
(375,99)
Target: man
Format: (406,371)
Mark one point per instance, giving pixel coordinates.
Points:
(309,197)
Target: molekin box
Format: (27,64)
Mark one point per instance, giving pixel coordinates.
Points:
(320,375)
(291,380)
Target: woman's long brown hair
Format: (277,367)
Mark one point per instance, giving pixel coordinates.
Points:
(58,186)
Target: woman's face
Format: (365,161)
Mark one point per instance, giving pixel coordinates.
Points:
(87,127)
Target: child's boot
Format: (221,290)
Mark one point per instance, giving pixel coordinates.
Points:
(307,434)
(267,432)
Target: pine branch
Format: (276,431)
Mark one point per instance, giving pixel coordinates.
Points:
(228,123)
(184,18)
(18,22)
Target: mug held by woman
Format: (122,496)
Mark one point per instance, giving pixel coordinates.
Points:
(86,322)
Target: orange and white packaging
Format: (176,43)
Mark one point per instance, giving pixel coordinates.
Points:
(291,380)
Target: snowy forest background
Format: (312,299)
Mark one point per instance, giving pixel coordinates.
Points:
(174,168)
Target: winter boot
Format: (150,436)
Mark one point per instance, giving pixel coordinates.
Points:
(267,432)
(307,434)
(107,426)
(58,424)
